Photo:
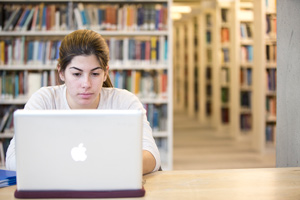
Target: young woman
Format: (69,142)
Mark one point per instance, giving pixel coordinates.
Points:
(83,67)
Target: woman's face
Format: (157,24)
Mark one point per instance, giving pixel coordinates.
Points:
(84,78)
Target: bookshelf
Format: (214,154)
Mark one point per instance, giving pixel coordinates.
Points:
(228,68)
(206,35)
(265,59)
(246,65)
(195,60)
(186,65)
(139,36)
(218,67)
(237,68)
(190,67)
(271,70)
(180,64)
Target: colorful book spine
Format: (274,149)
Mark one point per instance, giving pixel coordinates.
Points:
(19,84)
(157,116)
(245,122)
(29,52)
(144,83)
(139,50)
(60,16)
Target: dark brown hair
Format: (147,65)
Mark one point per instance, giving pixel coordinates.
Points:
(84,42)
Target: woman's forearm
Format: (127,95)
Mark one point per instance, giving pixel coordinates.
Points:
(148,162)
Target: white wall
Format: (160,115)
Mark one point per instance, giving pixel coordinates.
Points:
(288,83)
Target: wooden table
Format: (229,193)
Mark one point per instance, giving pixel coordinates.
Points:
(254,184)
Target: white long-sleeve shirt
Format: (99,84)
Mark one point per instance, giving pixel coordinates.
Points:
(49,98)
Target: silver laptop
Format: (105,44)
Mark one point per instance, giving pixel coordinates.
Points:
(78,149)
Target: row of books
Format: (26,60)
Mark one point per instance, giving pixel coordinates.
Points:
(271,106)
(145,84)
(246,54)
(157,115)
(22,84)
(209,55)
(208,108)
(271,26)
(208,90)
(246,76)
(72,16)
(162,145)
(6,123)
(208,20)
(46,52)
(225,15)
(271,52)
(271,79)
(246,122)
(20,51)
(208,37)
(271,133)
(225,58)
(225,37)
(208,73)
(122,17)
(246,30)
(154,49)
(224,76)
(225,115)
(245,99)
(225,95)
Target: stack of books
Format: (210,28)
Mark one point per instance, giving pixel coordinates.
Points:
(7,178)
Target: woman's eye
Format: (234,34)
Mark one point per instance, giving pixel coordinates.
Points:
(95,74)
(76,74)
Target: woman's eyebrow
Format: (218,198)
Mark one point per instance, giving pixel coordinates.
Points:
(97,68)
(82,70)
(76,69)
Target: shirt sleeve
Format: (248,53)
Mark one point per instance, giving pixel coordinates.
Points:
(36,102)
(10,161)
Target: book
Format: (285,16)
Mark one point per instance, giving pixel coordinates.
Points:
(11,19)
(5,119)
(34,82)
(34,18)
(7,178)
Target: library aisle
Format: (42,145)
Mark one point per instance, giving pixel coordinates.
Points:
(200,147)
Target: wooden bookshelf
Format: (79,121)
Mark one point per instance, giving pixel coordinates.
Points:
(265,54)
(237,68)
(180,77)
(227,65)
(206,76)
(186,68)
(157,69)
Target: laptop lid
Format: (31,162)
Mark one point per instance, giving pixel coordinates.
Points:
(78,149)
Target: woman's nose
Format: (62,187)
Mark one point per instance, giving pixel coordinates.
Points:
(86,82)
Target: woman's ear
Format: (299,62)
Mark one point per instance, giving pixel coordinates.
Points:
(60,73)
(106,73)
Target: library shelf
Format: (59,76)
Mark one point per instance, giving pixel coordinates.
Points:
(161,104)
(251,67)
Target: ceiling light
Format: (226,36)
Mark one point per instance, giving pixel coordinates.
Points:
(176,16)
(181,9)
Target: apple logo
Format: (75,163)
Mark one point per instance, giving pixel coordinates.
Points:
(78,153)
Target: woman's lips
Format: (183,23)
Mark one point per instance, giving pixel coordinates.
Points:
(85,95)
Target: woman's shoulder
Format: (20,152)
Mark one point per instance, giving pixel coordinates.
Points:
(46,97)
(116,91)
(117,98)
(50,91)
